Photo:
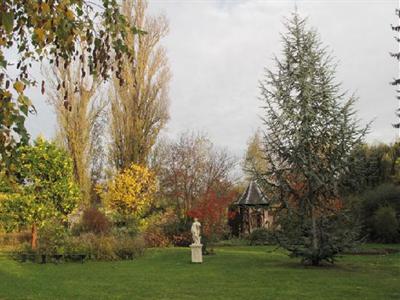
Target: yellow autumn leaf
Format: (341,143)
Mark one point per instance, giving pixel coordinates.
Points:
(6,94)
(70,15)
(132,191)
(69,40)
(19,87)
(47,25)
(45,8)
(39,32)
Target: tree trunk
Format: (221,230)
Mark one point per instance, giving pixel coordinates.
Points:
(315,259)
(34,237)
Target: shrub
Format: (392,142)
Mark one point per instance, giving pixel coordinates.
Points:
(100,247)
(370,209)
(107,247)
(87,245)
(383,195)
(14,239)
(131,191)
(154,229)
(79,245)
(125,225)
(386,225)
(154,236)
(129,248)
(95,221)
(52,239)
(178,232)
(183,239)
(212,211)
(261,236)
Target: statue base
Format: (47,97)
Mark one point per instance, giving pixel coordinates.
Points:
(197,255)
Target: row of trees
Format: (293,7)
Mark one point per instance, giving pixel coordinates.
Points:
(109,116)
(188,177)
(132,107)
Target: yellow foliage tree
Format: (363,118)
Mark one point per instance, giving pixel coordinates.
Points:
(131,192)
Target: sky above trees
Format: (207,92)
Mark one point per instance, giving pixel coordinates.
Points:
(218,51)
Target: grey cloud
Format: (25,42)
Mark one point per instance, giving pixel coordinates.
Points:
(219,49)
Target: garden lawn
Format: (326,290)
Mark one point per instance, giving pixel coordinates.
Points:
(233,273)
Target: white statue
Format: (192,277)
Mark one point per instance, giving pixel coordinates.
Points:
(196,232)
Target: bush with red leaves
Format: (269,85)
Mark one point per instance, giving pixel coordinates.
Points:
(95,221)
(212,212)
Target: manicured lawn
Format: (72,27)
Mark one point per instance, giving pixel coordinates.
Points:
(233,273)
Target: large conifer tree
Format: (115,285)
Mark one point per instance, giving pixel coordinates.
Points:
(310,131)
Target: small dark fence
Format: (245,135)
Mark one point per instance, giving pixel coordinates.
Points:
(56,258)
(46,258)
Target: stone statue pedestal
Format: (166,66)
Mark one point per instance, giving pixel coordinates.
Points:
(197,255)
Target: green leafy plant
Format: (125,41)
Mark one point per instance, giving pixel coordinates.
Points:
(46,189)
(53,238)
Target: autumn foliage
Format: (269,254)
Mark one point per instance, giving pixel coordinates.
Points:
(132,191)
(300,190)
(212,211)
(93,220)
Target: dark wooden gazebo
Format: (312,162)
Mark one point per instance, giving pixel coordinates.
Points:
(253,210)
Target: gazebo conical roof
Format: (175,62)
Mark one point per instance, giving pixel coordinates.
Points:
(253,196)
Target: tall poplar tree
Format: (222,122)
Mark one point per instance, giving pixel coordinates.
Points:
(139,106)
(310,131)
(78,107)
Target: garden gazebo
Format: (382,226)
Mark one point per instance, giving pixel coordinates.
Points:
(253,210)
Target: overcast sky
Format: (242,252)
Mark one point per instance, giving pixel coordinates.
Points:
(218,51)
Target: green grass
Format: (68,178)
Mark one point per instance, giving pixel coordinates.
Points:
(233,273)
